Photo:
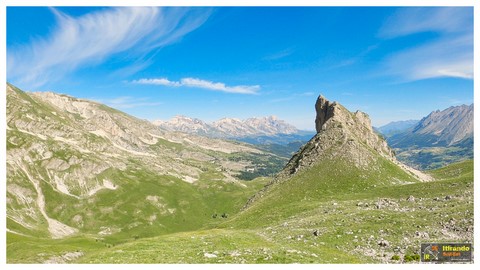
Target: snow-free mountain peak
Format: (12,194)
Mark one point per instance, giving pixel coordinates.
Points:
(229,127)
(345,154)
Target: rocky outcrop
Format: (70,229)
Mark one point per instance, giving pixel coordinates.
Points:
(341,136)
(324,111)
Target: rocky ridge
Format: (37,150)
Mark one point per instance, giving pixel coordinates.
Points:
(449,127)
(342,136)
(439,139)
(185,124)
(76,149)
(229,127)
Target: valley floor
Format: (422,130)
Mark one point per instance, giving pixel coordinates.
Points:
(380,225)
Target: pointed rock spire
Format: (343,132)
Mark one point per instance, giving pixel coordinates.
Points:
(324,111)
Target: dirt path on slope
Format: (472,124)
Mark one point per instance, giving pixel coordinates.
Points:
(418,174)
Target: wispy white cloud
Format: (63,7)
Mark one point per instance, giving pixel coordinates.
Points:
(159,81)
(203,84)
(95,37)
(442,58)
(127,102)
(411,20)
(239,89)
(448,55)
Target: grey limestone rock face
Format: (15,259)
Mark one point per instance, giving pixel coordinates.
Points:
(450,126)
(324,110)
(341,136)
(340,133)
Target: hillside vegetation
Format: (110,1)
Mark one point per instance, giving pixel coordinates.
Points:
(89,184)
(380,224)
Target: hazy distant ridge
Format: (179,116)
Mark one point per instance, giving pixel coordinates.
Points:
(229,127)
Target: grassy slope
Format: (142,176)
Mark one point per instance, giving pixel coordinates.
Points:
(276,229)
(181,206)
(227,246)
(28,249)
(177,206)
(349,227)
(194,206)
(331,180)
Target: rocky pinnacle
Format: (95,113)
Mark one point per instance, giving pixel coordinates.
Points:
(324,112)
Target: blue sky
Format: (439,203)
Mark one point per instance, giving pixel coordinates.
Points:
(209,63)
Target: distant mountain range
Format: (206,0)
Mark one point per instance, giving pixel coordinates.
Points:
(229,127)
(256,130)
(439,128)
(396,127)
(440,138)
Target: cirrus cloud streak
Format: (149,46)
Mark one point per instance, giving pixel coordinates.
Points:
(94,38)
(450,54)
(203,84)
